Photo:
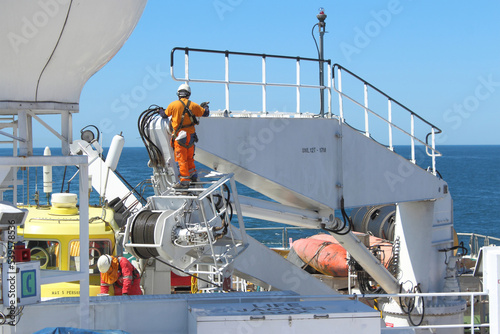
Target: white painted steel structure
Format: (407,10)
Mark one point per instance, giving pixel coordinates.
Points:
(55,276)
(322,164)
(104,180)
(186,232)
(311,165)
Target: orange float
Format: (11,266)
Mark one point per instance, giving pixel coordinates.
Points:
(324,253)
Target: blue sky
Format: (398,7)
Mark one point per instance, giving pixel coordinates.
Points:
(440,59)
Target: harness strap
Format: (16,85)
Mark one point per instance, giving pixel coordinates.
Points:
(191,143)
(136,274)
(192,118)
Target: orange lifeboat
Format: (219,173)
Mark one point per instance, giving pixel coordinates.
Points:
(324,253)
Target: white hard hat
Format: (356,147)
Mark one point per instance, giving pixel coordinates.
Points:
(184,90)
(104,263)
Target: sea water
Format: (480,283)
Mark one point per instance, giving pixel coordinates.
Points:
(472,174)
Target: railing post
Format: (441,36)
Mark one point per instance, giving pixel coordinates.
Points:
(433,152)
(264,96)
(471,244)
(329,91)
(186,64)
(84,244)
(283,237)
(341,107)
(412,118)
(227,80)
(476,244)
(298,85)
(14,169)
(472,313)
(389,118)
(367,131)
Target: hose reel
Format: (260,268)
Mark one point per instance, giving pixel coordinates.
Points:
(143,232)
(167,233)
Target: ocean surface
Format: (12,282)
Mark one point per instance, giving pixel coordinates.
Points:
(472,174)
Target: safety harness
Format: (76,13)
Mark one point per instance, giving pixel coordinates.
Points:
(192,118)
(135,276)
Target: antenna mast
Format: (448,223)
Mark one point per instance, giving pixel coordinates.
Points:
(321,25)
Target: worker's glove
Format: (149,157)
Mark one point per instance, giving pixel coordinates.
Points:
(204,105)
(162,113)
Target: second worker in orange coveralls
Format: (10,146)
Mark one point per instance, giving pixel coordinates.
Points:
(183,115)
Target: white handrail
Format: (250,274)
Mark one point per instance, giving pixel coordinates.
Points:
(389,118)
(433,130)
(367,131)
(263,82)
(297,81)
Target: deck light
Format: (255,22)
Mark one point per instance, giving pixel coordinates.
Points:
(321,16)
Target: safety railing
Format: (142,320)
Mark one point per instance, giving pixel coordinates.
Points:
(284,241)
(57,276)
(476,324)
(413,121)
(431,130)
(219,261)
(470,297)
(476,241)
(264,83)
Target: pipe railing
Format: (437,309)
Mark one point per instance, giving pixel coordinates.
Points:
(263,82)
(284,231)
(476,241)
(428,142)
(470,296)
(433,130)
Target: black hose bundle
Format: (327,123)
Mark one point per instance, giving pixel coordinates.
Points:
(346,227)
(461,247)
(408,305)
(365,286)
(219,202)
(155,155)
(393,265)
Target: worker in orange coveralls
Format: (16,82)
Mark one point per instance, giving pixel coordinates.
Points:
(119,273)
(183,115)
